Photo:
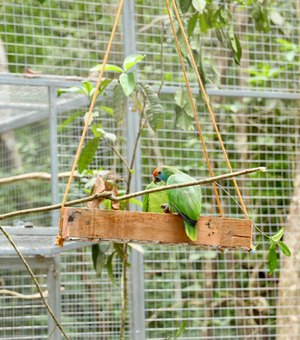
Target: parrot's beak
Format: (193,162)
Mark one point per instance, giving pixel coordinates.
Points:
(156,179)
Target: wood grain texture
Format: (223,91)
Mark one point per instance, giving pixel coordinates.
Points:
(123,226)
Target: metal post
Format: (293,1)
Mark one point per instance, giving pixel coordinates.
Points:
(53,281)
(54,298)
(53,152)
(132,127)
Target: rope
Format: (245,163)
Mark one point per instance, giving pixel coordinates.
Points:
(194,109)
(206,99)
(59,238)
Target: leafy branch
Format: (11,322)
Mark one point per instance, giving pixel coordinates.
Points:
(274,240)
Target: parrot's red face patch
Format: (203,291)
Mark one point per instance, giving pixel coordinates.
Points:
(155,172)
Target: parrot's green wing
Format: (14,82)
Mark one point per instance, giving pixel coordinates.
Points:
(153,202)
(186,202)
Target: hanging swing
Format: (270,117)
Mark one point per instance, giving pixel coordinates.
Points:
(128,226)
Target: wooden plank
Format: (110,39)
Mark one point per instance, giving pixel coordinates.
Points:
(124,226)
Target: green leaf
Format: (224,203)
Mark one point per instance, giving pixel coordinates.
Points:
(154,110)
(261,19)
(185,5)
(192,24)
(203,23)
(93,115)
(88,86)
(74,89)
(277,18)
(95,252)
(235,46)
(131,60)
(107,109)
(98,257)
(180,330)
(104,84)
(182,120)
(95,129)
(108,67)
(109,268)
(199,5)
(272,259)
(110,137)
(119,249)
(284,248)
(182,99)
(88,153)
(127,81)
(67,121)
(137,101)
(275,238)
(118,103)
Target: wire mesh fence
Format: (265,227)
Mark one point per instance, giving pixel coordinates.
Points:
(220,295)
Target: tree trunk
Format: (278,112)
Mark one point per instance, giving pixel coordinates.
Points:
(288,307)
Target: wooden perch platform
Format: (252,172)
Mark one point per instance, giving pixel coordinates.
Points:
(126,226)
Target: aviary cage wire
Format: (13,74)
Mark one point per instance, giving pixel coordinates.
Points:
(221,296)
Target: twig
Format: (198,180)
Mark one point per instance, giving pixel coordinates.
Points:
(245,212)
(153,23)
(143,122)
(109,195)
(24,296)
(35,281)
(161,57)
(34,175)
(120,156)
(189,184)
(105,194)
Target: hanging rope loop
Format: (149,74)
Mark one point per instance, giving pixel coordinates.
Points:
(206,100)
(59,238)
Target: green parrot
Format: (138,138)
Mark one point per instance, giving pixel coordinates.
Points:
(184,201)
(153,202)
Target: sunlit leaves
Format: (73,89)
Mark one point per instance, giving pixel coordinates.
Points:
(132,60)
(127,81)
(199,5)
(284,248)
(86,88)
(275,238)
(272,259)
(262,73)
(126,78)
(108,67)
(276,243)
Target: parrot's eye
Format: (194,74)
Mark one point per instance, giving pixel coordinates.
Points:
(159,172)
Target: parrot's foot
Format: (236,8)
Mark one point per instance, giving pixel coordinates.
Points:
(165,208)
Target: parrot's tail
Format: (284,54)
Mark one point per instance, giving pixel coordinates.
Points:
(191,231)
(187,219)
(190,226)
